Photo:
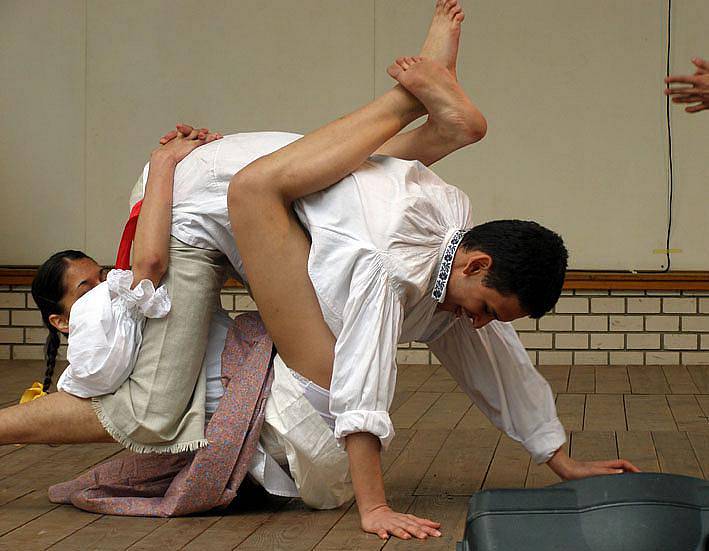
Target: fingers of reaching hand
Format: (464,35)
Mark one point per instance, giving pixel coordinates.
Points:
(696,108)
(689,98)
(702,65)
(683,79)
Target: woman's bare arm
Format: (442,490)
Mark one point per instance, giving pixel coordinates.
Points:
(152,236)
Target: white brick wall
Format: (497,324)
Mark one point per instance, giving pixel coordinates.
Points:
(585,328)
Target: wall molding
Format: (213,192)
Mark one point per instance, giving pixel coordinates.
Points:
(575,279)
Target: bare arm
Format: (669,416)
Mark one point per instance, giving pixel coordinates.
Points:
(152,236)
(368,483)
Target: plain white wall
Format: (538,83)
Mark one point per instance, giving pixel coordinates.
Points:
(572,92)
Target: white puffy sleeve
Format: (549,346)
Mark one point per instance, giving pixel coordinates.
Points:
(493,368)
(105,333)
(364,371)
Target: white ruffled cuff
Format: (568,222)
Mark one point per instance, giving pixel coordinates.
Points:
(377,423)
(143,298)
(545,441)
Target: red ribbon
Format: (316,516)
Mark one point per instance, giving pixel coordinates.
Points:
(123,258)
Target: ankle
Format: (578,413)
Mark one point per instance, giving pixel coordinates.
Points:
(405,105)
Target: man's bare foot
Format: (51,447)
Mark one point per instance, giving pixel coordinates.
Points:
(453,115)
(444,34)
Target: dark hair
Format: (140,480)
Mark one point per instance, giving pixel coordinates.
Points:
(48,291)
(528,260)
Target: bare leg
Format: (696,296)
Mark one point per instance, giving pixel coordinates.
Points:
(275,250)
(58,418)
(439,136)
(271,242)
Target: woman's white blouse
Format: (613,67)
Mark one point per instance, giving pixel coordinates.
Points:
(105,332)
(380,238)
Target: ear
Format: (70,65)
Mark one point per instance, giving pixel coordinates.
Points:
(477,262)
(59,322)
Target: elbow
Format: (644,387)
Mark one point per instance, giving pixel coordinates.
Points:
(153,268)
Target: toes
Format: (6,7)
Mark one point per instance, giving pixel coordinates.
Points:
(394,70)
(450,5)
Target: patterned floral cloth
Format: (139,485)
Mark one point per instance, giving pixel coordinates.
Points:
(164,485)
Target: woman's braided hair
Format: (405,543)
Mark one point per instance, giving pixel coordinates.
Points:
(48,291)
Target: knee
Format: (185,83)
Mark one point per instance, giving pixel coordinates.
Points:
(241,191)
(250,190)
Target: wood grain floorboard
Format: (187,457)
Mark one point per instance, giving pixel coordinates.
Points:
(604,412)
(413,409)
(570,408)
(648,379)
(638,448)
(557,375)
(687,413)
(445,449)
(651,412)
(445,413)
(109,533)
(509,466)
(675,453)
(582,379)
(679,379)
(461,464)
(612,380)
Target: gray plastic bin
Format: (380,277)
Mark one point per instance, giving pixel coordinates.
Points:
(629,512)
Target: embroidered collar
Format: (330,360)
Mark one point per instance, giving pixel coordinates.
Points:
(444,270)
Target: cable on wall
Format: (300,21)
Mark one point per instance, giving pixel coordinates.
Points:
(670,175)
(670,167)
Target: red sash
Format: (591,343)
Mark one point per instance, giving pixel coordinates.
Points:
(123,258)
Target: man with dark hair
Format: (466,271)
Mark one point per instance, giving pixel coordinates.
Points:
(530,261)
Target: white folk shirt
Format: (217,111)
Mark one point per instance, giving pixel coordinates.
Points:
(105,332)
(382,242)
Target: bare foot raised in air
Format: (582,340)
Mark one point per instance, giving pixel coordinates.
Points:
(455,116)
(444,34)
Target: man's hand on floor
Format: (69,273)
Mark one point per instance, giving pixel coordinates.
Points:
(384,522)
(571,469)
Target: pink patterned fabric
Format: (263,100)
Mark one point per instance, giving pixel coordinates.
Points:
(164,485)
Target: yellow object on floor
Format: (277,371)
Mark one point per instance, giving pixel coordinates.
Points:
(33,392)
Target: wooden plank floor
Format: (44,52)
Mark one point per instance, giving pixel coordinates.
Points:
(445,450)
